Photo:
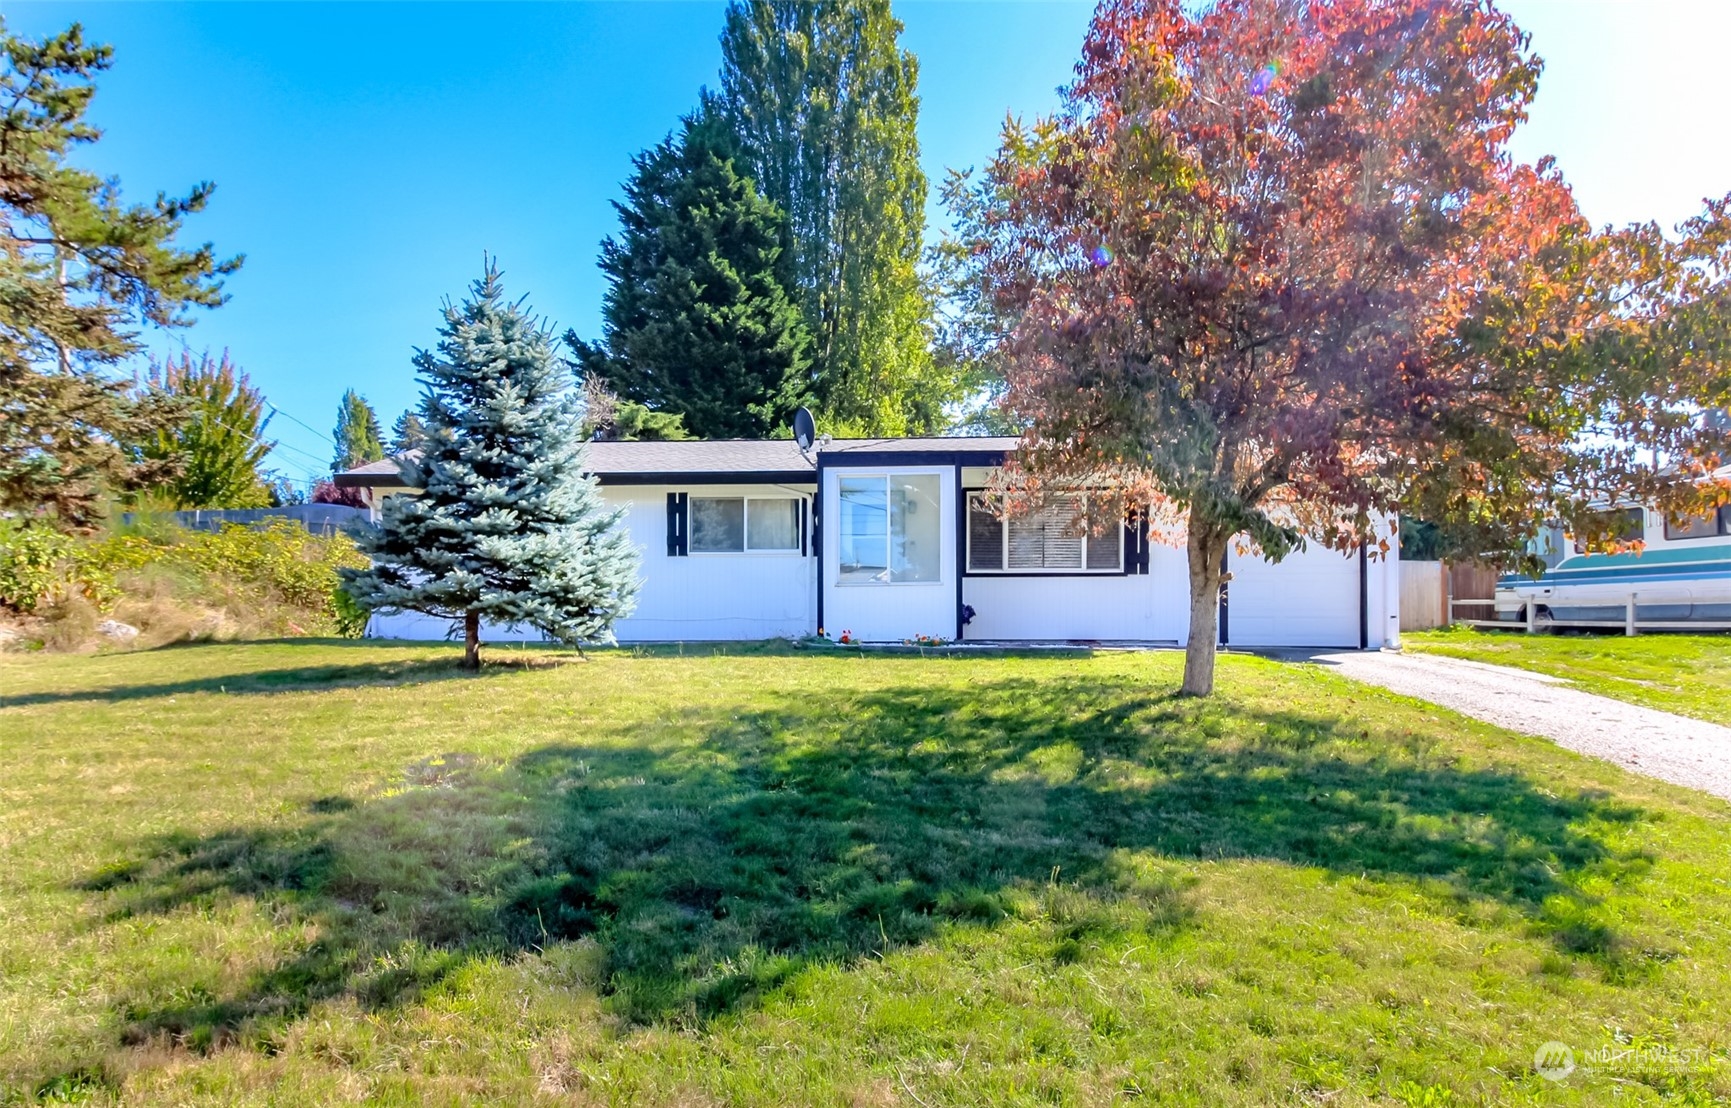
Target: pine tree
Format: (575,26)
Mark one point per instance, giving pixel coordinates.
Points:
(82,270)
(507,528)
(822,103)
(219,441)
(698,323)
(357,433)
(407,433)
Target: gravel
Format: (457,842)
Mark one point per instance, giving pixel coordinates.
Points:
(1672,748)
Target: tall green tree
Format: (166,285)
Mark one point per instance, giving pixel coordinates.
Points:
(357,433)
(407,433)
(697,322)
(80,271)
(821,100)
(508,527)
(218,440)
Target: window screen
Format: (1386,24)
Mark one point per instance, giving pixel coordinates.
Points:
(985,537)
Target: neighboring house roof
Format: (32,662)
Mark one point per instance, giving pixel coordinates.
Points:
(381,474)
(741,460)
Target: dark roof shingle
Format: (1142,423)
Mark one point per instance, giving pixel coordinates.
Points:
(778,459)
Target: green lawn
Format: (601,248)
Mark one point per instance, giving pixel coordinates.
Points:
(302,873)
(1687,674)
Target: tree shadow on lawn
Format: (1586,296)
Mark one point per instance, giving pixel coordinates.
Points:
(707,871)
(442,666)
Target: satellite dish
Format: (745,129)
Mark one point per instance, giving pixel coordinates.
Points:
(804,428)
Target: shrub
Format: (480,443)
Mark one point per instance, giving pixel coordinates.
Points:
(33,562)
(177,584)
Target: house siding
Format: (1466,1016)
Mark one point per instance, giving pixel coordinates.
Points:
(1313,598)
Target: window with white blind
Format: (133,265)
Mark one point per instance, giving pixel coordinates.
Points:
(1060,537)
(739,524)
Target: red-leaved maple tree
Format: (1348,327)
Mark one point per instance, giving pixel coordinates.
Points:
(1272,273)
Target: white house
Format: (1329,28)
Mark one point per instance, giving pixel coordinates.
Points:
(889,539)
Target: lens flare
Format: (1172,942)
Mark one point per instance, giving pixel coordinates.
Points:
(1102,256)
(1263,79)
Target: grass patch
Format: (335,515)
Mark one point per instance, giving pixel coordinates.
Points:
(1686,674)
(310,872)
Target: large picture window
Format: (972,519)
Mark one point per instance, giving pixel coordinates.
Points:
(741,524)
(891,529)
(1063,536)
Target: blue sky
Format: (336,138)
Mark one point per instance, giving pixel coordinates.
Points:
(365,156)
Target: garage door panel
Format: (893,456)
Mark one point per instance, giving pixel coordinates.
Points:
(1310,598)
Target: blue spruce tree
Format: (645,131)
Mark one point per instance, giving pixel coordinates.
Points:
(508,528)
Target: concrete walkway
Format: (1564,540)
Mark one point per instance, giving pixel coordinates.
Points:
(1672,748)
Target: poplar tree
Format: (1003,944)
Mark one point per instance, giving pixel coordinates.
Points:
(507,527)
(357,433)
(698,325)
(822,102)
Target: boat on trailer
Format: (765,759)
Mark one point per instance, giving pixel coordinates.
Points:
(1679,579)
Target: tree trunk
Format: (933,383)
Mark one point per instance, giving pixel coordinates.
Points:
(1207,546)
(472,640)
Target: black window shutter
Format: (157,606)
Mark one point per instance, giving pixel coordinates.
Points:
(677,503)
(1136,543)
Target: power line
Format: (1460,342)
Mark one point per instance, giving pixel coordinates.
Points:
(275,410)
(278,411)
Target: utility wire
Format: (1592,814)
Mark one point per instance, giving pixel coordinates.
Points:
(187,348)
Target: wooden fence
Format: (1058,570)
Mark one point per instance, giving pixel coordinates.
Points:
(1423,596)
(1437,594)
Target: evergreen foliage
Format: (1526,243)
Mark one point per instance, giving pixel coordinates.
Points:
(634,423)
(218,441)
(407,433)
(822,103)
(82,270)
(698,323)
(508,528)
(357,433)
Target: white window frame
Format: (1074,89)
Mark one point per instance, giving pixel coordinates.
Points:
(1004,569)
(745,528)
(886,476)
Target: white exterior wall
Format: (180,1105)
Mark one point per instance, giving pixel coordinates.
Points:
(696,597)
(713,597)
(1311,599)
(1033,607)
(889,612)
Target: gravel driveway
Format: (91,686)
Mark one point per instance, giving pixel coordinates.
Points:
(1672,748)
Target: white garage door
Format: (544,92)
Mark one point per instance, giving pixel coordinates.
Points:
(1309,599)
